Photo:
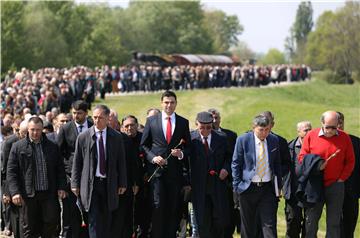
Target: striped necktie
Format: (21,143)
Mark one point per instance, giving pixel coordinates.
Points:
(261,163)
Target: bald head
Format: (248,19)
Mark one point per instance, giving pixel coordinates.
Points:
(329,121)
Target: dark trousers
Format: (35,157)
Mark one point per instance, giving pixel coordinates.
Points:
(70,218)
(143,210)
(295,219)
(258,201)
(233,215)
(166,198)
(15,222)
(122,218)
(39,216)
(334,197)
(350,216)
(212,225)
(99,214)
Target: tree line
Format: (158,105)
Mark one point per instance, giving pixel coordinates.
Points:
(63,33)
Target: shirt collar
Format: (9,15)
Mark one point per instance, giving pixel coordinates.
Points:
(321,132)
(165,116)
(258,141)
(208,137)
(85,124)
(97,130)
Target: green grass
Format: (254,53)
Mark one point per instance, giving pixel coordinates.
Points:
(290,104)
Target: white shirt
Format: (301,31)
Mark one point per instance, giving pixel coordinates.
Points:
(164,122)
(97,133)
(267,175)
(85,126)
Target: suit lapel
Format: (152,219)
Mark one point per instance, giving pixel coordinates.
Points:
(74,129)
(159,124)
(253,146)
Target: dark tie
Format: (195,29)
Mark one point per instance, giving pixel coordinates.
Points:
(80,128)
(206,145)
(168,130)
(102,162)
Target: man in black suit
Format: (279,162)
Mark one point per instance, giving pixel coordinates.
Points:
(352,189)
(98,174)
(162,137)
(234,206)
(36,178)
(66,138)
(210,167)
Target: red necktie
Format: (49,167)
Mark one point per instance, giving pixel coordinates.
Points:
(168,130)
(206,145)
(102,163)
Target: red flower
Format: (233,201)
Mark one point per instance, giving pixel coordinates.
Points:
(212,172)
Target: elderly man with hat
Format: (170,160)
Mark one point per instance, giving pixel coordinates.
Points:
(210,167)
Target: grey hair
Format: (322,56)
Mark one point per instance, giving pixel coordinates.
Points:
(104,108)
(301,124)
(261,120)
(214,111)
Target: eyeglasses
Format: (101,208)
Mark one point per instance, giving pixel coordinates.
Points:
(205,127)
(330,127)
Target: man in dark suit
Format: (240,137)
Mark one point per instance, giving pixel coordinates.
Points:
(234,206)
(352,189)
(36,178)
(99,172)
(162,137)
(210,167)
(256,170)
(66,138)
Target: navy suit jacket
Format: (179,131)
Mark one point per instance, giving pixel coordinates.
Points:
(154,144)
(244,160)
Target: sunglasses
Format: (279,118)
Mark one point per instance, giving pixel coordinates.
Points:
(330,127)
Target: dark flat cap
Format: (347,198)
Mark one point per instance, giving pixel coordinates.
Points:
(204,117)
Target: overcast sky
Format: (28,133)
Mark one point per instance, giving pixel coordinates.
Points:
(266,23)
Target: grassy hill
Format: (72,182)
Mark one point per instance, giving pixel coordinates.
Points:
(289,103)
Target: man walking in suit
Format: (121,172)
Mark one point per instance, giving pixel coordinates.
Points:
(36,177)
(162,137)
(256,170)
(210,167)
(66,138)
(99,172)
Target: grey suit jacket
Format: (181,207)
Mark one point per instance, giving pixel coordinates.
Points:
(85,162)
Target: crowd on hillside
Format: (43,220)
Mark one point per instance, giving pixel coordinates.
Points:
(39,91)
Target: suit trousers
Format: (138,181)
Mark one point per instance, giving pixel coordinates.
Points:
(350,216)
(295,221)
(258,204)
(39,215)
(99,214)
(70,217)
(166,198)
(334,197)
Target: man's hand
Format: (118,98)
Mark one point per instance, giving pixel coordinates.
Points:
(61,194)
(76,191)
(6,199)
(135,189)
(223,174)
(121,190)
(159,160)
(187,188)
(17,200)
(177,153)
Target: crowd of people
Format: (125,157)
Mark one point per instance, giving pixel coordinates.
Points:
(42,90)
(71,175)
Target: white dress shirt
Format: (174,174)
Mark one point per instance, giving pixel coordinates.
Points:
(267,175)
(85,126)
